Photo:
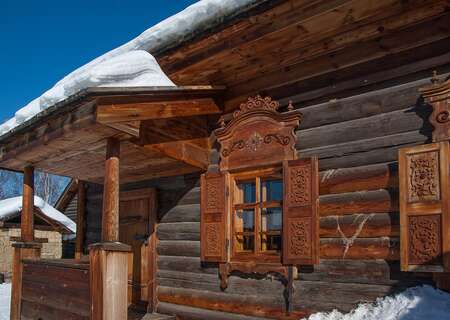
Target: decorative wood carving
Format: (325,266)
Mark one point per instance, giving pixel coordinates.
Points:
(214,217)
(300,237)
(300,212)
(423,177)
(424,207)
(425,239)
(257,135)
(438,96)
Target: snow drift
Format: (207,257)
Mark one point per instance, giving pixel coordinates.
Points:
(418,303)
(131,65)
(12,206)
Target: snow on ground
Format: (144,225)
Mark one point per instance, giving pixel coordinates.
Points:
(5,297)
(131,65)
(418,303)
(12,206)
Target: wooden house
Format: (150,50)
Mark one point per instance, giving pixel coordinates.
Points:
(300,165)
(51,229)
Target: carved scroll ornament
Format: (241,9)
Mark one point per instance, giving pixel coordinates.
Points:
(423,177)
(258,134)
(438,96)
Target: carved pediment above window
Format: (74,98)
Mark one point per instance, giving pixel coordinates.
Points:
(438,96)
(258,135)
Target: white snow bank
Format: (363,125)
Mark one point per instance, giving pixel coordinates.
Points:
(5,298)
(416,303)
(130,65)
(12,206)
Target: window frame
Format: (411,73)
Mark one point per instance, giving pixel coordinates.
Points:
(256,175)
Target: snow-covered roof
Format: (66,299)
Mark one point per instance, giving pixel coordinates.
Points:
(131,64)
(11,207)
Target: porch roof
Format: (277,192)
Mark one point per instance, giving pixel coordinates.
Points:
(164,131)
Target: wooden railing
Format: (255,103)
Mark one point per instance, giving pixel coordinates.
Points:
(55,290)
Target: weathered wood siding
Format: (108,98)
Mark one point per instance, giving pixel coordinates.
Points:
(357,139)
(55,291)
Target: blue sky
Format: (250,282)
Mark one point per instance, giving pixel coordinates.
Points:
(43,40)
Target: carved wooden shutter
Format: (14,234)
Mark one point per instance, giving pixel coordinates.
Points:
(424,207)
(214,217)
(300,212)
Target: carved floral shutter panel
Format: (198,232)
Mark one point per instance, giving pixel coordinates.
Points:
(424,207)
(214,217)
(300,212)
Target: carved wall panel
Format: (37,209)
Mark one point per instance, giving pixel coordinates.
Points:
(300,212)
(423,177)
(214,217)
(212,238)
(300,186)
(300,237)
(424,208)
(425,239)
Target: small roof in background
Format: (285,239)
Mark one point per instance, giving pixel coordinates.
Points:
(12,207)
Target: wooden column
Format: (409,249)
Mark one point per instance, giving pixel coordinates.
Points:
(110,217)
(81,213)
(27,248)
(27,224)
(109,259)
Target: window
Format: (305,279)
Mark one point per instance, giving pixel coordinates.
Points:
(259,204)
(257,212)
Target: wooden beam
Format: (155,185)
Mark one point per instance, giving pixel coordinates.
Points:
(27,219)
(123,112)
(81,212)
(184,151)
(110,215)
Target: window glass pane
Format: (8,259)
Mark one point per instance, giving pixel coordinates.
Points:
(244,221)
(272,190)
(271,242)
(247,192)
(245,242)
(271,219)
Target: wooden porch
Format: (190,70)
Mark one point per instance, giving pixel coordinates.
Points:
(113,137)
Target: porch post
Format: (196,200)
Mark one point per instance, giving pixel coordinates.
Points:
(109,259)
(26,248)
(81,212)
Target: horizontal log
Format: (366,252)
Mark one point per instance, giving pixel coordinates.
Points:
(183,213)
(330,248)
(179,248)
(185,264)
(379,201)
(360,271)
(360,248)
(362,105)
(366,145)
(179,231)
(373,156)
(371,127)
(361,225)
(251,305)
(325,296)
(371,177)
(185,312)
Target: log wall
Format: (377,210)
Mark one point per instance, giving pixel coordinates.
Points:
(357,140)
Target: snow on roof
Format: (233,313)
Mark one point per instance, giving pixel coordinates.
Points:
(131,65)
(13,206)
(423,302)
